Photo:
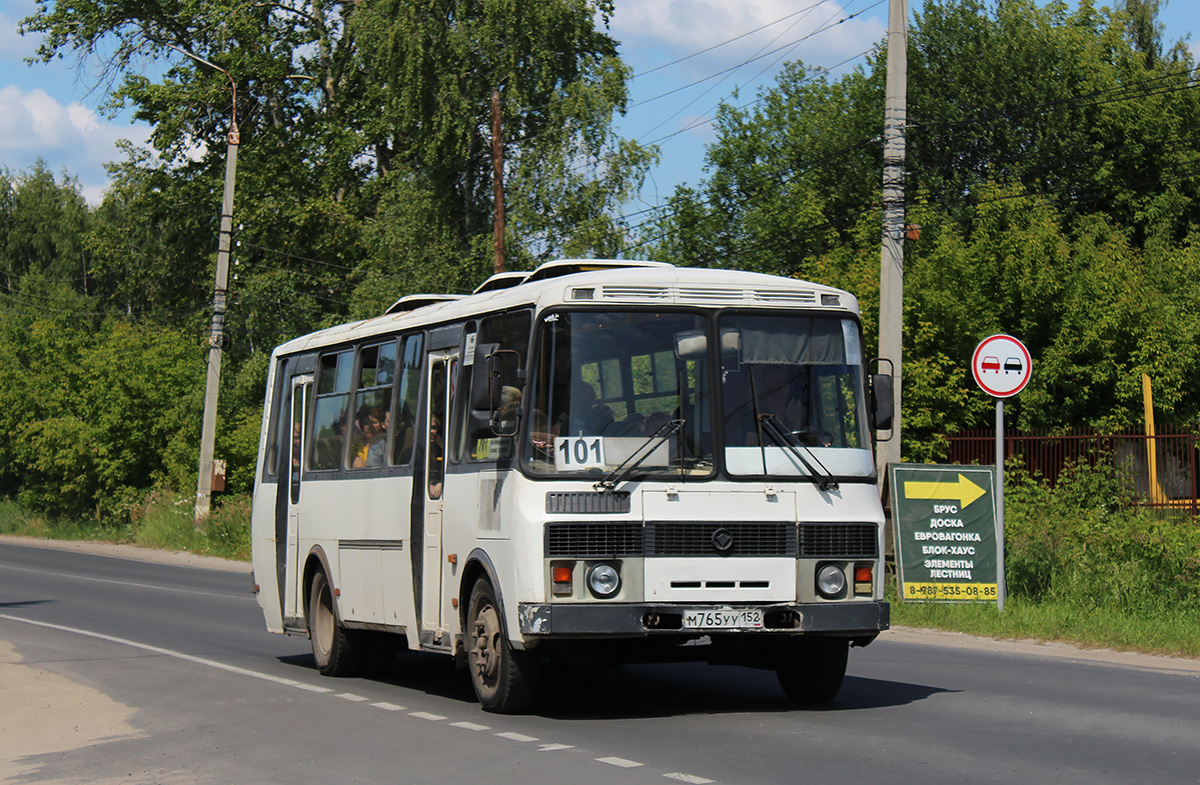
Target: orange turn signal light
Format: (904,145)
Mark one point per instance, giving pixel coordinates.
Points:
(561,575)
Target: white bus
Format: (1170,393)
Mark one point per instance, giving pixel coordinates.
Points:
(601,461)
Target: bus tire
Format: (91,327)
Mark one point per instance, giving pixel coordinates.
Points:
(812,670)
(505,680)
(338,651)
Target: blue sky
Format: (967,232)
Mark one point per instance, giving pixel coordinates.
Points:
(52,111)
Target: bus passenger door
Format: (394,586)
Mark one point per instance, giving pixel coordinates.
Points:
(441,368)
(301,388)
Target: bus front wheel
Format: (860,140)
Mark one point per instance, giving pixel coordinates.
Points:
(338,651)
(505,679)
(812,670)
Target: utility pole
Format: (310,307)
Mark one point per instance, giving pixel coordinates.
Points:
(498,181)
(891,259)
(217,335)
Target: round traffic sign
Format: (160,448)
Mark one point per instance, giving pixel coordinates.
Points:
(1001,366)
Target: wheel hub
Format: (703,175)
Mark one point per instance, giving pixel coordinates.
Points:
(487,643)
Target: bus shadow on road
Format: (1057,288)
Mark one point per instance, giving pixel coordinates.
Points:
(640,691)
(647,691)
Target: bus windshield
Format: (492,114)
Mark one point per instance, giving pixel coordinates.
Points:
(791,392)
(628,393)
(612,390)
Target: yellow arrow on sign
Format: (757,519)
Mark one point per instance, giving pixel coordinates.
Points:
(962,489)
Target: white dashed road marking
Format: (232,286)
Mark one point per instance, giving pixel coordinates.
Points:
(516,736)
(312,688)
(424,715)
(392,707)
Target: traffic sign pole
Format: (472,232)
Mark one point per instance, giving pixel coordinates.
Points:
(1001,366)
(1001,586)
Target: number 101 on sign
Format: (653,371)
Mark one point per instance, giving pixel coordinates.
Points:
(579,452)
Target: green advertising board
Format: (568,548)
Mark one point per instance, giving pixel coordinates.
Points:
(945,527)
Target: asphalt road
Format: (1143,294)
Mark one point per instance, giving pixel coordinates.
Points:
(121,670)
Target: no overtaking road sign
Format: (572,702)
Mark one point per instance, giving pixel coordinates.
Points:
(1001,366)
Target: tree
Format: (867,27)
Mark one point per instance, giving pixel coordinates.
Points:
(44,227)
(1052,170)
(346,108)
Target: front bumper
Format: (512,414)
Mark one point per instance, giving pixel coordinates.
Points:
(850,619)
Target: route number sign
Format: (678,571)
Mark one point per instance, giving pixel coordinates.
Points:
(1001,366)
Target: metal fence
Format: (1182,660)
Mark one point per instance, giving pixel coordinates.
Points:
(1159,472)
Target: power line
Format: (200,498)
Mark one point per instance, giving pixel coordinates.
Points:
(735,39)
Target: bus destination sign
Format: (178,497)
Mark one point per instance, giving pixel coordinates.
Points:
(945,527)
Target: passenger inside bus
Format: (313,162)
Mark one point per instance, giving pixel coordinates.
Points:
(371,427)
(436,454)
(377,448)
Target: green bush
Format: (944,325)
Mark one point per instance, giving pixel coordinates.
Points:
(1083,542)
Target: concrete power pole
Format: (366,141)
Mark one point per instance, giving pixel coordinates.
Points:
(892,250)
(891,259)
(217,336)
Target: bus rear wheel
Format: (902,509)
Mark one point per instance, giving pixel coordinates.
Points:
(505,680)
(338,651)
(812,670)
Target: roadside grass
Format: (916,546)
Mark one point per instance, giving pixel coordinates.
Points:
(1171,631)
(163,521)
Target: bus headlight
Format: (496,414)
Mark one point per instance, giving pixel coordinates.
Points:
(831,581)
(603,580)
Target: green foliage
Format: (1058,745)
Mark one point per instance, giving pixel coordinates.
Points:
(164,520)
(1051,169)
(364,172)
(89,413)
(43,226)
(1081,543)
(364,158)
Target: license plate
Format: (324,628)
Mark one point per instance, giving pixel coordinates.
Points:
(723,619)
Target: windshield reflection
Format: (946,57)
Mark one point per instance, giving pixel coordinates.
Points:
(605,382)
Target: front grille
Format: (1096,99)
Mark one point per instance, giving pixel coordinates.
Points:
(587,502)
(686,538)
(829,540)
(583,540)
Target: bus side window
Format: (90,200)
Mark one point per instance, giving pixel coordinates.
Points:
(408,384)
(331,410)
(373,406)
(277,441)
(511,332)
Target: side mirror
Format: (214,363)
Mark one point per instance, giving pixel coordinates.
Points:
(495,407)
(882,398)
(482,381)
(691,345)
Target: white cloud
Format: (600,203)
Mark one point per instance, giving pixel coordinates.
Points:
(13,46)
(653,31)
(70,137)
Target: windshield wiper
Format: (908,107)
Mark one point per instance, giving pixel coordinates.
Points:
(785,438)
(626,467)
